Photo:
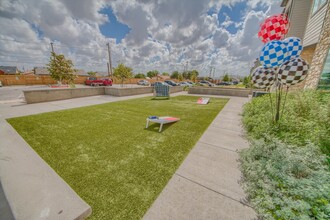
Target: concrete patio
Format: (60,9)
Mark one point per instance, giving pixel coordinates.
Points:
(204,187)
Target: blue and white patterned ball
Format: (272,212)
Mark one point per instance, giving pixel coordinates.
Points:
(273,54)
(293,46)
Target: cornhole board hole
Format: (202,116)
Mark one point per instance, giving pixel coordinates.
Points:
(161,120)
(203,101)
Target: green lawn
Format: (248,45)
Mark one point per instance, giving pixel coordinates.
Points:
(108,157)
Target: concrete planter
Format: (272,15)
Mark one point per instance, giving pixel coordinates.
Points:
(47,95)
(220,91)
(127,91)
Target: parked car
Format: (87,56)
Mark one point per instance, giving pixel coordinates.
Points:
(143,82)
(0,84)
(160,83)
(223,83)
(185,84)
(206,83)
(170,82)
(93,81)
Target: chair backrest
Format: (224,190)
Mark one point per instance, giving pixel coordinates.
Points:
(162,91)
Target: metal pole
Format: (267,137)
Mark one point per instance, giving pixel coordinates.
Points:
(51,44)
(110,65)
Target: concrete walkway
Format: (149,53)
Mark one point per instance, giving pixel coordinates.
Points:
(204,187)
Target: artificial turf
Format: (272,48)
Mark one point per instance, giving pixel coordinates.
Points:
(105,153)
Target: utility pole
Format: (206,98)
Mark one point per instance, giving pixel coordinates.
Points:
(211,69)
(51,44)
(110,65)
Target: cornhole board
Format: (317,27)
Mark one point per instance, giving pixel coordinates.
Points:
(161,120)
(203,101)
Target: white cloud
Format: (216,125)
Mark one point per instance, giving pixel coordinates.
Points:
(164,34)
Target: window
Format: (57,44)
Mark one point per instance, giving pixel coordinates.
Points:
(317,5)
(325,75)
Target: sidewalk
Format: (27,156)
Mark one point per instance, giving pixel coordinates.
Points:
(204,187)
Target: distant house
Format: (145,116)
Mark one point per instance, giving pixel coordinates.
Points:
(310,21)
(10,70)
(41,71)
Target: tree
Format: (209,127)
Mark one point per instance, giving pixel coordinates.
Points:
(61,69)
(226,78)
(247,81)
(92,73)
(180,77)
(122,72)
(185,74)
(175,75)
(193,77)
(193,73)
(140,76)
(152,73)
(165,74)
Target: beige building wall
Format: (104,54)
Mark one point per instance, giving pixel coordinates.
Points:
(298,17)
(321,52)
(314,26)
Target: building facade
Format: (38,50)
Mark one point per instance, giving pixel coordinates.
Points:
(310,21)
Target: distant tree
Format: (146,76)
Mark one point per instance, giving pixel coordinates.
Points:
(185,74)
(92,73)
(191,73)
(226,78)
(193,77)
(123,72)
(247,81)
(152,73)
(61,69)
(175,75)
(165,74)
(180,77)
(140,76)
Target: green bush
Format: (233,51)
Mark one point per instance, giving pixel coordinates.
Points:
(306,118)
(286,175)
(285,181)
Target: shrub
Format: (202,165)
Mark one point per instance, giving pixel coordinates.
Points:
(285,181)
(306,118)
(286,175)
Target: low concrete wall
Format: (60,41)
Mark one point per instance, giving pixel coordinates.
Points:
(220,91)
(127,91)
(176,89)
(46,95)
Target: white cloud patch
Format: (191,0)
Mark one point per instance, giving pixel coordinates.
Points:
(164,34)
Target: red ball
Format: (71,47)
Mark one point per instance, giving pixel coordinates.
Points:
(274,28)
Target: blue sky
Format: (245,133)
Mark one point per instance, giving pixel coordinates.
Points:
(235,12)
(144,35)
(113,28)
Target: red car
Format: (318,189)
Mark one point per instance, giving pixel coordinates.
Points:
(93,81)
